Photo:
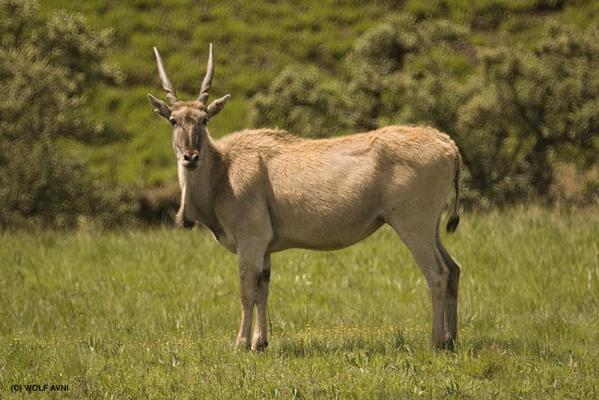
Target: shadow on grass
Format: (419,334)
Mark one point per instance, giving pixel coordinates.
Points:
(360,347)
(475,347)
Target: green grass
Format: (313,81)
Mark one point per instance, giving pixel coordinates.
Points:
(154,315)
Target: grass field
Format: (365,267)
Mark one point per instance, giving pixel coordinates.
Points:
(153,314)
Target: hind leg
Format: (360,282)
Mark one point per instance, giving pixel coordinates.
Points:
(420,239)
(260,340)
(451,298)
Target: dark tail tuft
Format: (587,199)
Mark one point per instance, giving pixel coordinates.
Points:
(454,218)
(452,223)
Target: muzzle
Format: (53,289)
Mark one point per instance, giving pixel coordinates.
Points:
(191,159)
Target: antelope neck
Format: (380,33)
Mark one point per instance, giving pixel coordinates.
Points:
(200,186)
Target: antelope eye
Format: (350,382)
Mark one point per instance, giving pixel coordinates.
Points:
(172,121)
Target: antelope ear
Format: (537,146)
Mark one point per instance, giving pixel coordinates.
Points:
(217,105)
(160,107)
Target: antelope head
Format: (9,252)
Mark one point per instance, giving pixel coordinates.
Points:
(189,119)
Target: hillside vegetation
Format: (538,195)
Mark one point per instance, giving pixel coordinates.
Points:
(489,73)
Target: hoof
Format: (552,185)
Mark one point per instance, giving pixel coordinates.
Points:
(447,344)
(242,344)
(259,345)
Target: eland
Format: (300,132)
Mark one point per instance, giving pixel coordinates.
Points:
(266,190)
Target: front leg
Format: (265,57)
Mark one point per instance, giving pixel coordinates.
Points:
(260,340)
(250,270)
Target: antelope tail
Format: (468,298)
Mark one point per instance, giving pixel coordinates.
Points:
(454,218)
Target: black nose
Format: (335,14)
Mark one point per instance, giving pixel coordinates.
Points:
(191,157)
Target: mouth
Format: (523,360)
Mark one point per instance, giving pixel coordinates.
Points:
(190,165)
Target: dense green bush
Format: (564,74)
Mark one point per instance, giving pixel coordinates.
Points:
(518,112)
(299,100)
(533,107)
(46,64)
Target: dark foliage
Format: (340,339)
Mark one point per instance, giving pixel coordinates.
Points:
(45,67)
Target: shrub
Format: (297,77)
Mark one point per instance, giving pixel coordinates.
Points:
(533,107)
(302,101)
(46,65)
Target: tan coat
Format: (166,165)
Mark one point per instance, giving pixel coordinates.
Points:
(330,193)
(262,191)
